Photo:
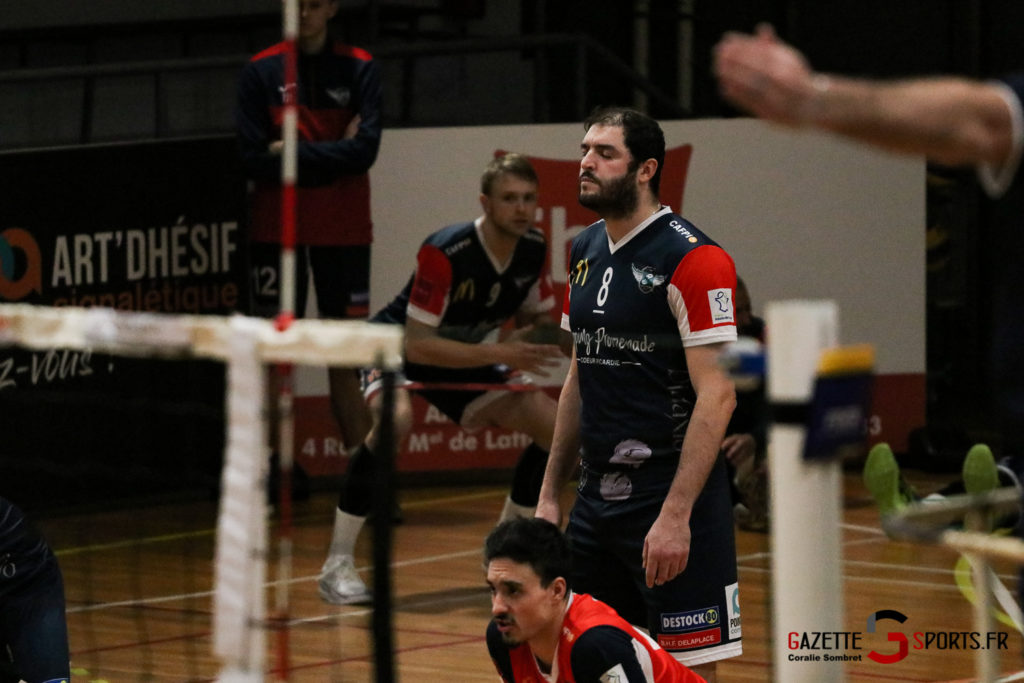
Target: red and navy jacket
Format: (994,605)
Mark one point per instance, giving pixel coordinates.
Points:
(333,193)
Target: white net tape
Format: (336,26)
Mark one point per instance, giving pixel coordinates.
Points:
(305,342)
(928,521)
(241,533)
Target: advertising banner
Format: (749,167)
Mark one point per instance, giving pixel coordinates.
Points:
(143,227)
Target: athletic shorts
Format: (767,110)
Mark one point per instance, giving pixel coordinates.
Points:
(696,616)
(341,280)
(462,406)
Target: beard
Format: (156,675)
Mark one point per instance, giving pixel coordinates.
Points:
(616,198)
(510,640)
(506,636)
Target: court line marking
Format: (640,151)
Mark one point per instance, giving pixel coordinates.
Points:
(268,584)
(876,536)
(165,538)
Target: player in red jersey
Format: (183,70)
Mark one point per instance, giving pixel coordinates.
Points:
(542,630)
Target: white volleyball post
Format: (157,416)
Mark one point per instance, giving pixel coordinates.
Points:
(806,507)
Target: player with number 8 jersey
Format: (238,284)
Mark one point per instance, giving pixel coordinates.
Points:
(631,307)
(645,404)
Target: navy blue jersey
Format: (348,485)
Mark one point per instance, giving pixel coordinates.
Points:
(631,308)
(25,558)
(461,290)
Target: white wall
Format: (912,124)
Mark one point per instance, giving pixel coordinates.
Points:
(804,216)
(809,216)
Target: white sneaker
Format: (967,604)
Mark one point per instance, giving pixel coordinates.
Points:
(340,583)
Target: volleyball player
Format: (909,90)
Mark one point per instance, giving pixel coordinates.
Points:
(339,129)
(470,279)
(646,403)
(541,629)
(33,630)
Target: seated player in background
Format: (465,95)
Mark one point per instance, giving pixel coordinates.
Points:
(541,630)
(470,279)
(980,473)
(33,630)
(745,446)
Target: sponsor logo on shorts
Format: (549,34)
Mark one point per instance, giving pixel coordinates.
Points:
(732,607)
(678,622)
(690,641)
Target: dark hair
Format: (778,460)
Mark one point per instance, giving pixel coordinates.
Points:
(533,541)
(643,136)
(511,162)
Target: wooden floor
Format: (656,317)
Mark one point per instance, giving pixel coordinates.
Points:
(139,603)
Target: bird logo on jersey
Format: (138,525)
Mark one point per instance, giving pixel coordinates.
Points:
(342,96)
(647,279)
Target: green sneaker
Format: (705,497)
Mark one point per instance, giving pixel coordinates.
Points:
(980,472)
(883,480)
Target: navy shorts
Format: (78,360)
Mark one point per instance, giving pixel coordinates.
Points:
(695,616)
(341,280)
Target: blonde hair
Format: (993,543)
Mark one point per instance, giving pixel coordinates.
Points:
(511,162)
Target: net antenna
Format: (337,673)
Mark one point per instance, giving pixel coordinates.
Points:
(245,345)
(285,371)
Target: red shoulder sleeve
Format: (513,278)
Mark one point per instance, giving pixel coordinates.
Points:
(431,284)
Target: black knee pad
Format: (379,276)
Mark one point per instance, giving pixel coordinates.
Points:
(356,496)
(529,475)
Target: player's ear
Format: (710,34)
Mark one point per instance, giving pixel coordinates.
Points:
(558,588)
(485,202)
(647,170)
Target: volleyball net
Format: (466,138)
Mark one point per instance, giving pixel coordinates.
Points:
(819,410)
(171,589)
(963,523)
